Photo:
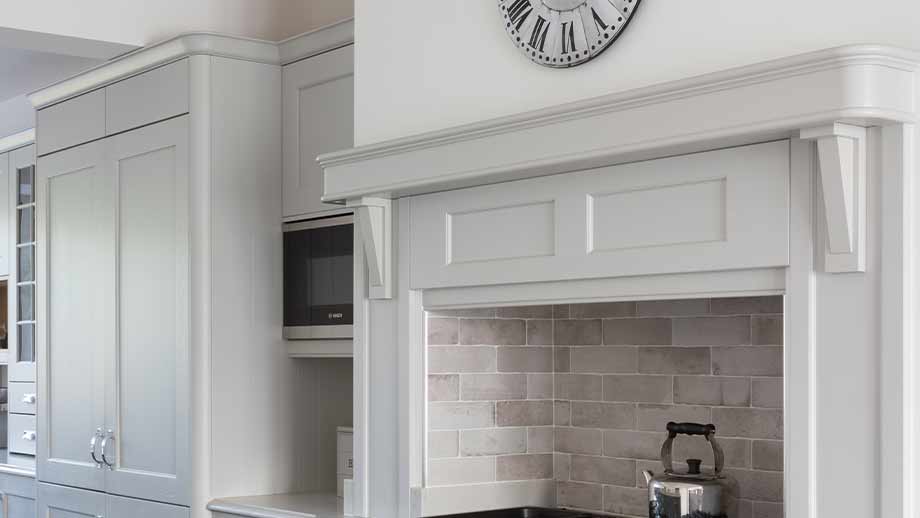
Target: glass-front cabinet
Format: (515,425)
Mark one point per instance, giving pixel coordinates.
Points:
(18,395)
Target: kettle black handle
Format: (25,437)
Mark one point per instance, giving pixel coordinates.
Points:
(707,430)
(675,429)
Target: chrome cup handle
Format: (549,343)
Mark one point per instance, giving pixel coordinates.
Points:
(109,436)
(92,447)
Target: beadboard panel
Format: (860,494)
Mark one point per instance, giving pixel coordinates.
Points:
(717,210)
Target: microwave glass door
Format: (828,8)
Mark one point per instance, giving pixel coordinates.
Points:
(318,278)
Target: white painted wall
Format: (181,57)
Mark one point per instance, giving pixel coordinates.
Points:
(140,22)
(423,65)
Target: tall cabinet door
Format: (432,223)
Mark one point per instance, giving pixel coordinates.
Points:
(75,231)
(318,117)
(147,378)
(21,265)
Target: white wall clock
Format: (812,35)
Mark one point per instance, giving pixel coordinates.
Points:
(565,33)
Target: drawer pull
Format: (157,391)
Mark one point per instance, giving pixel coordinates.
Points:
(28,399)
(28,435)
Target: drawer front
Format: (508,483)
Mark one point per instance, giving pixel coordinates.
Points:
(22,434)
(22,398)
(121,507)
(18,485)
(712,211)
(21,507)
(71,122)
(146,98)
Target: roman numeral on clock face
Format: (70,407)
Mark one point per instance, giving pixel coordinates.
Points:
(598,21)
(519,11)
(538,35)
(568,37)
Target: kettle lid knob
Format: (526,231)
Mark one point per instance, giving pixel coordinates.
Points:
(693,466)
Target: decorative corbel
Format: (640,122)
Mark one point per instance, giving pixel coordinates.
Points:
(842,164)
(374,222)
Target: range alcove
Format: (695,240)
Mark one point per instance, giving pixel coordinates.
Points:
(571,401)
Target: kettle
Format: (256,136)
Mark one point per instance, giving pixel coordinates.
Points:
(690,494)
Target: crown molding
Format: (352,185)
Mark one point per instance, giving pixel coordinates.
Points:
(17,140)
(133,63)
(287,51)
(859,85)
(324,39)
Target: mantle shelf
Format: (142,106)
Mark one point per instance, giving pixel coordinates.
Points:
(857,85)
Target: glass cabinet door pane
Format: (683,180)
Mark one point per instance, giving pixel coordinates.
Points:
(25,182)
(26,343)
(25,225)
(25,303)
(26,268)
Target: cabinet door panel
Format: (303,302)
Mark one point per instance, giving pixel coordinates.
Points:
(147,381)
(120,507)
(67,502)
(21,507)
(318,117)
(74,258)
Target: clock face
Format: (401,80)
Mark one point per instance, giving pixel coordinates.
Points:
(565,33)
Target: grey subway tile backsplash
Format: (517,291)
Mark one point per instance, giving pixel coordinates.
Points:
(493,441)
(603,359)
(637,331)
(481,331)
(580,394)
(524,467)
(577,332)
(674,360)
(492,387)
(524,413)
(712,390)
(602,310)
(525,359)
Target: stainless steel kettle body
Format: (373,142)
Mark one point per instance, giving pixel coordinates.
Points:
(690,494)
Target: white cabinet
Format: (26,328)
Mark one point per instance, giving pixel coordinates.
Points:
(22,286)
(159,262)
(114,318)
(318,117)
(717,210)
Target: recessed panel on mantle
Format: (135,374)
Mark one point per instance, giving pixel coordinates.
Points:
(514,232)
(657,216)
(717,210)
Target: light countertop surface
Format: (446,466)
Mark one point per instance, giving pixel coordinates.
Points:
(298,505)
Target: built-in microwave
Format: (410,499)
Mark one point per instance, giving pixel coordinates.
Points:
(319,278)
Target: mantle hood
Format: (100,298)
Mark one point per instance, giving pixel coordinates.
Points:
(859,86)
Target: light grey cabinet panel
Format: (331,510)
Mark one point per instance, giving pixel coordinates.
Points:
(318,117)
(120,507)
(22,398)
(146,98)
(71,123)
(67,502)
(147,366)
(75,308)
(19,492)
